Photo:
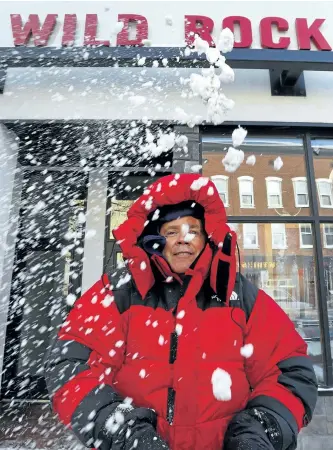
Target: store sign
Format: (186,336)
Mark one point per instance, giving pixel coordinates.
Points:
(270,28)
(258,265)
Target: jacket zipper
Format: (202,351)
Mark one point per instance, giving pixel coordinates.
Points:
(172,358)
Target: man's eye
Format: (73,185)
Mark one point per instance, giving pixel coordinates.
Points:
(194,232)
(171,233)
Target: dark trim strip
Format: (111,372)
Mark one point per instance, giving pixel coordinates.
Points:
(64,361)
(298,376)
(239,58)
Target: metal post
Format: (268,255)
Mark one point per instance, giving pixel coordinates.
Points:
(319,264)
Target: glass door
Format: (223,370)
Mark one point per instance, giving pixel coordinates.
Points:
(46,275)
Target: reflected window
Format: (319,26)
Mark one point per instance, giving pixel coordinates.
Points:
(221,183)
(274,192)
(325,192)
(305,236)
(301,192)
(249,197)
(279,239)
(250,235)
(328,235)
(246,192)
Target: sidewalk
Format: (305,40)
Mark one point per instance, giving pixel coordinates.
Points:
(26,426)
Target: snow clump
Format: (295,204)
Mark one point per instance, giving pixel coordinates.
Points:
(199,183)
(233,159)
(247,350)
(221,381)
(278,163)
(251,160)
(238,136)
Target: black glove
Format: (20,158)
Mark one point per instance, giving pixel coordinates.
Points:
(253,429)
(131,428)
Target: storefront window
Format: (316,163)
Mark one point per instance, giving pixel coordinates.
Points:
(323,166)
(262,188)
(273,258)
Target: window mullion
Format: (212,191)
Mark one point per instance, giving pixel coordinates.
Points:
(319,263)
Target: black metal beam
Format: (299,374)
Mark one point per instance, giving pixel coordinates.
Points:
(291,60)
(322,294)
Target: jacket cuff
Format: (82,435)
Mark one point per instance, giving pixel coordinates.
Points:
(282,415)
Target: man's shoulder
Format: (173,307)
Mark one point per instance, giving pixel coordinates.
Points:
(244,295)
(122,287)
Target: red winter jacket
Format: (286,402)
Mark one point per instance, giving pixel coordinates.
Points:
(123,338)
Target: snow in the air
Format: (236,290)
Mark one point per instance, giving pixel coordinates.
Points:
(233,159)
(161,340)
(251,160)
(278,163)
(142,373)
(221,383)
(238,136)
(179,329)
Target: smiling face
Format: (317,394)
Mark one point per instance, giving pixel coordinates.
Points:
(185,239)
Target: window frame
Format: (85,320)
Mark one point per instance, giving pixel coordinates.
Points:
(249,179)
(301,245)
(284,246)
(250,246)
(275,180)
(295,181)
(325,235)
(226,179)
(330,183)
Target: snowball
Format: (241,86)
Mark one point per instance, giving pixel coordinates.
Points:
(199,183)
(135,355)
(278,163)
(112,353)
(179,329)
(142,373)
(106,302)
(221,382)
(251,160)
(227,75)
(70,299)
(143,265)
(155,324)
(169,279)
(81,218)
(200,45)
(161,340)
(238,136)
(148,322)
(226,40)
(141,61)
(196,168)
(204,355)
(137,100)
(169,21)
(233,159)
(147,43)
(213,54)
(247,350)
(119,344)
(38,207)
(181,314)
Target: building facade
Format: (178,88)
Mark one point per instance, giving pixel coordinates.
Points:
(82,96)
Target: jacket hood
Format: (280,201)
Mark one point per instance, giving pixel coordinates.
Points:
(171,190)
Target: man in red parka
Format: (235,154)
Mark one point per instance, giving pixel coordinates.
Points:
(178,350)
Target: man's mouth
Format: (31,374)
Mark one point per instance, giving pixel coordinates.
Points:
(183,254)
